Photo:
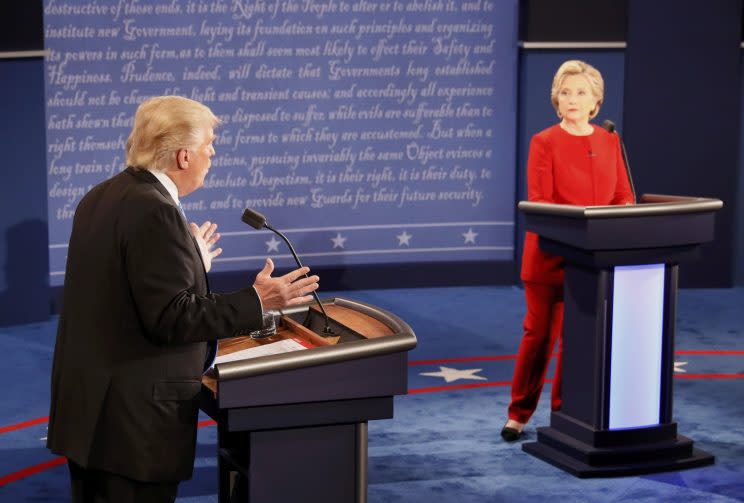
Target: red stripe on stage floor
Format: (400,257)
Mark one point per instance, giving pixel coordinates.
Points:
(463,360)
(709,376)
(40,420)
(514,357)
(25,424)
(31,470)
(733,352)
(435,389)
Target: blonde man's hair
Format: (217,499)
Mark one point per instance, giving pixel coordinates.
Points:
(163,125)
(576,67)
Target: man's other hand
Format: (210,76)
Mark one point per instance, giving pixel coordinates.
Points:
(288,290)
(206,236)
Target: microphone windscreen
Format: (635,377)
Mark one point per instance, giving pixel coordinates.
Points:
(254,219)
(609,126)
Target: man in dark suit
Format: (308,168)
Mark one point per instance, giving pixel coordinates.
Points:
(138,321)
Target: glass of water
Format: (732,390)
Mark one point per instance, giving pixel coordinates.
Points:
(267,330)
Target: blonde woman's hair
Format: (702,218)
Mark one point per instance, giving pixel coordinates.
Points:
(162,126)
(576,67)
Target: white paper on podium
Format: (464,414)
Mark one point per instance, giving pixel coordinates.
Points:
(283,346)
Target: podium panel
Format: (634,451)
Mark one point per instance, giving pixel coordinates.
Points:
(620,294)
(292,426)
(636,342)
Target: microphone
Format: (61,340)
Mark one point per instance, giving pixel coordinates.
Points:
(610,127)
(258,221)
(254,219)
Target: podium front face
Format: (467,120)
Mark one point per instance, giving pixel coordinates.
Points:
(636,343)
(620,294)
(301,414)
(618,345)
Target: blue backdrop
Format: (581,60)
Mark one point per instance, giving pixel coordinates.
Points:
(371,132)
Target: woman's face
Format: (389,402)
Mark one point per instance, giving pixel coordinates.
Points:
(575,99)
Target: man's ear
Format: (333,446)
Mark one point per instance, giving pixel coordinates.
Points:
(182,159)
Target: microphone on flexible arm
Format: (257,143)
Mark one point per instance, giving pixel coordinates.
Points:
(258,221)
(610,127)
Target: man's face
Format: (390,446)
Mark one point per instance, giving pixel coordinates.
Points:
(199,161)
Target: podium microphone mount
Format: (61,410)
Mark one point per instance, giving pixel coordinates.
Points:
(610,127)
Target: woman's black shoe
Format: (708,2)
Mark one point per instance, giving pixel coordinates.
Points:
(511,434)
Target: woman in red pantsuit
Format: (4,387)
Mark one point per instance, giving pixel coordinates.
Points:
(572,162)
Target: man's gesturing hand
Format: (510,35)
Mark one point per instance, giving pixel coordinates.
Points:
(287,290)
(206,236)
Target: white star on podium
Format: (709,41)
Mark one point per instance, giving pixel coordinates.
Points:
(450,374)
(404,239)
(338,241)
(272,245)
(469,236)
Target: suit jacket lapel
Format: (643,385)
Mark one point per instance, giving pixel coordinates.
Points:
(146,176)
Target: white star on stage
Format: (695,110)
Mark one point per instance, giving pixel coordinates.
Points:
(450,374)
(272,245)
(338,241)
(677,367)
(469,236)
(404,239)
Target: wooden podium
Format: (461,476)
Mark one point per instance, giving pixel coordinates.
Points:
(293,426)
(620,291)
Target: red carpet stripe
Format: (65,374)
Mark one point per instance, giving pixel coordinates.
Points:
(31,470)
(514,357)
(25,424)
(40,420)
(709,352)
(462,360)
(709,376)
(435,389)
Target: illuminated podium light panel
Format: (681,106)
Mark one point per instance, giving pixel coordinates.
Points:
(293,426)
(620,294)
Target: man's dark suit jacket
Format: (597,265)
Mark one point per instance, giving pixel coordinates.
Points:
(131,340)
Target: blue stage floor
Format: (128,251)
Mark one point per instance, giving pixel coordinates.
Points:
(443,445)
